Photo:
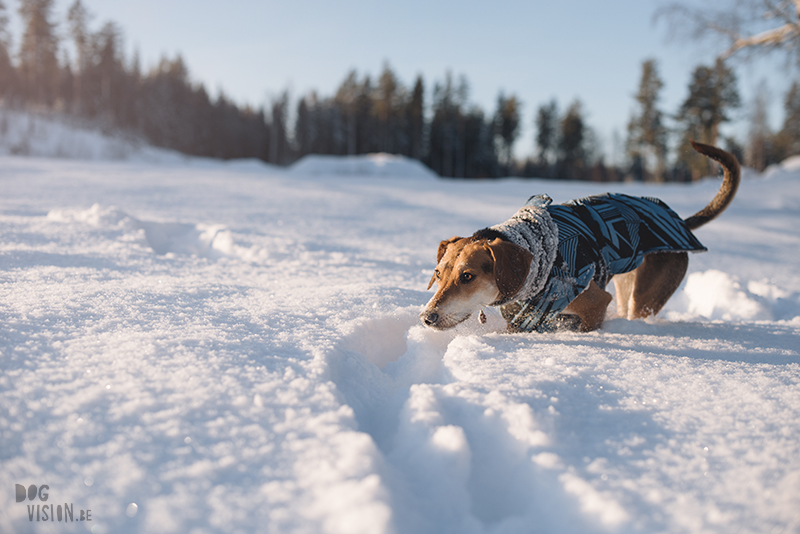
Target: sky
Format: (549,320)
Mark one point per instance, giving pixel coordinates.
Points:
(573,49)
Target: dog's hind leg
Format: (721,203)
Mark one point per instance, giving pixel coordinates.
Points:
(645,290)
(623,284)
(590,306)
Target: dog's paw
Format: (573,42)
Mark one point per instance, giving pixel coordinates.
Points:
(567,322)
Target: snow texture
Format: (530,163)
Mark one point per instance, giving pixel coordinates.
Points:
(206,348)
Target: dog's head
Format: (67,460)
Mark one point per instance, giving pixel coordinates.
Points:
(470,274)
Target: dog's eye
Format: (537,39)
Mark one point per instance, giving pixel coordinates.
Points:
(437,274)
(466,277)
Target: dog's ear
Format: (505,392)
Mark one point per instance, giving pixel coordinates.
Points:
(511,266)
(440,254)
(433,279)
(443,247)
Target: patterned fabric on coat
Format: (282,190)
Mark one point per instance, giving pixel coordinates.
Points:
(598,236)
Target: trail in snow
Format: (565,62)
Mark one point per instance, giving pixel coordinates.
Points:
(236,349)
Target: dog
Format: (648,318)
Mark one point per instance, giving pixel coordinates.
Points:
(547,266)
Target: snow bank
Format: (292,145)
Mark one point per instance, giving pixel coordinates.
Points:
(368,165)
(789,166)
(228,348)
(27,134)
(717,295)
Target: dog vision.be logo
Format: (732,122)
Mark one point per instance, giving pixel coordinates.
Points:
(48,512)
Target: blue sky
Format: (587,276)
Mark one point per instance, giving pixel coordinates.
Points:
(536,50)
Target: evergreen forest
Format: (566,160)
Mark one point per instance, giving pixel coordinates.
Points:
(437,124)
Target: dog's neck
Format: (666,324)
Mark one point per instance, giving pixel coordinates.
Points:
(533,229)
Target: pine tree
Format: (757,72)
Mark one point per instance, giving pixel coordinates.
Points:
(759,136)
(634,151)
(303,129)
(506,127)
(416,119)
(547,136)
(790,133)
(647,135)
(5,38)
(387,104)
(66,82)
(278,142)
(78,18)
(129,118)
(165,100)
(7,73)
(712,94)
(446,154)
(110,70)
(572,152)
(38,64)
(546,130)
(347,101)
(480,148)
(365,129)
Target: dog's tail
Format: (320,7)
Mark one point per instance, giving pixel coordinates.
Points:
(730,183)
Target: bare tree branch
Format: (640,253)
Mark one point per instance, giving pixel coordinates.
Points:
(769,38)
(744,25)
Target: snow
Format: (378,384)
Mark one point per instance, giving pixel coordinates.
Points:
(788,165)
(202,347)
(380,164)
(28,134)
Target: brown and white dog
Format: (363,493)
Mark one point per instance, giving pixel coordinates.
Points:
(489,269)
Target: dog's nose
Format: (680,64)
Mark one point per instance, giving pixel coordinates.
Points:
(430,318)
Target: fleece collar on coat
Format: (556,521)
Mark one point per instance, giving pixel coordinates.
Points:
(533,229)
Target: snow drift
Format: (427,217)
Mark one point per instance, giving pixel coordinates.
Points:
(28,134)
(366,165)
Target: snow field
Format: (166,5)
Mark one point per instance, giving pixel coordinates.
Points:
(237,349)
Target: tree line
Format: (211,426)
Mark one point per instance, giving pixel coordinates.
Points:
(450,134)
(100,84)
(712,97)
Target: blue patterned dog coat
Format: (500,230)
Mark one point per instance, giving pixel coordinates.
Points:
(596,237)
